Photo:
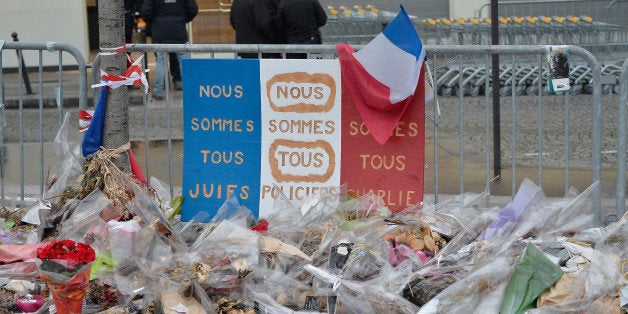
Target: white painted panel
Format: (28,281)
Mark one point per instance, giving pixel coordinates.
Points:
(40,21)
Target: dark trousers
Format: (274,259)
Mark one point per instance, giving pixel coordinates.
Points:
(175,69)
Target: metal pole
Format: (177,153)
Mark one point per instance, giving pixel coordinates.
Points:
(27,82)
(497,159)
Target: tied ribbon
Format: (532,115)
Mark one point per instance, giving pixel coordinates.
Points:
(112,51)
(131,76)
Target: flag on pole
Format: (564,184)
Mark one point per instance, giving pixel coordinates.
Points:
(384,76)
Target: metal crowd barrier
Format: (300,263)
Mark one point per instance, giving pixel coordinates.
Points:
(622,126)
(41,98)
(451,120)
(608,42)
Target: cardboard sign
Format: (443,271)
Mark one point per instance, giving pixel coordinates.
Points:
(260,129)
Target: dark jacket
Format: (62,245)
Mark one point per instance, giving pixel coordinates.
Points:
(300,19)
(167,19)
(252,22)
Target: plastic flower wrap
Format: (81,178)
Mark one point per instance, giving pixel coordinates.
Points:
(277,292)
(358,213)
(65,267)
(448,217)
(481,291)
(360,297)
(528,195)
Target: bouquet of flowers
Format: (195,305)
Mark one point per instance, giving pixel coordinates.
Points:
(65,267)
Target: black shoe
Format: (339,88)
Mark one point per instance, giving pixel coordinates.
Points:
(158,96)
(178,85)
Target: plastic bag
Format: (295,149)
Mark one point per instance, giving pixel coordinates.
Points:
(450,216)
(357,297)
(299,224)
(147,209)
(461,247)
(363,263)
(576,215)
(479,292)
(358,213)
(584,291)
(529,226)
(230,210)
(615,238)
(277,292)
(422,289)
(230,250)
(70,159)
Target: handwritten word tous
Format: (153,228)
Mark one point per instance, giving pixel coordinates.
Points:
(301,161)
(222,157)
(301,92)
(221,91)
(387,162)
(218,190)
(221,125)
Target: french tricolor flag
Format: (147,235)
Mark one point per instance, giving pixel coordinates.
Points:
(384,76)
(93,138)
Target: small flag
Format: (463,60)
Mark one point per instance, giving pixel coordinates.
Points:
(93,136)
(385,75)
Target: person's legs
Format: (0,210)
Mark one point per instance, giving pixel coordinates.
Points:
(175,69)
(160,76)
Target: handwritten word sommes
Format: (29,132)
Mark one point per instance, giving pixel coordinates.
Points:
(410,129)
(302,126)
(221,125)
